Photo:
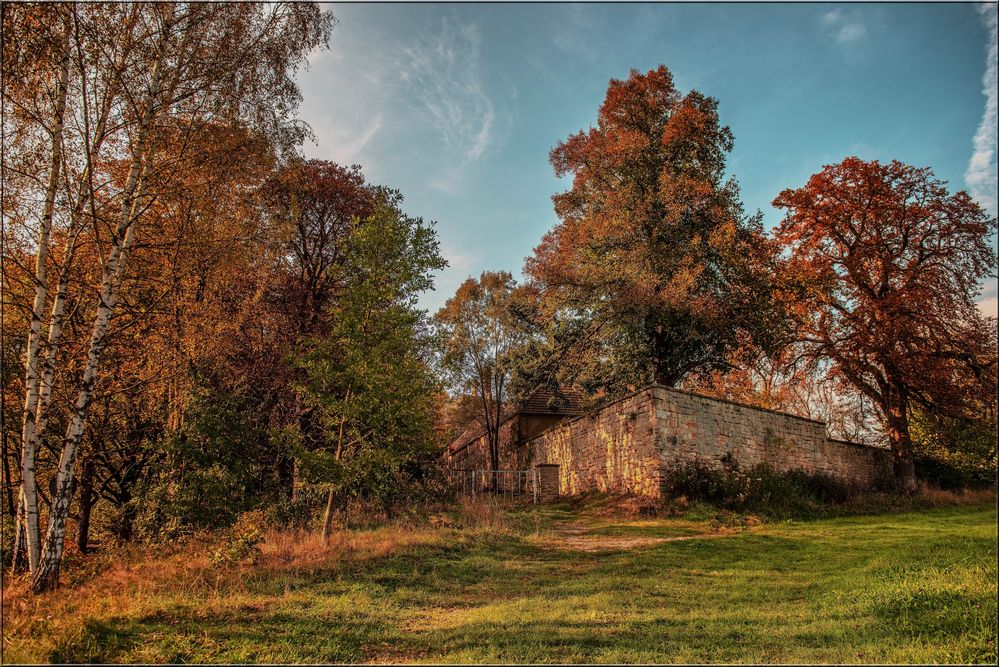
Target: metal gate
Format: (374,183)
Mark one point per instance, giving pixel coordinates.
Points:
(513,484)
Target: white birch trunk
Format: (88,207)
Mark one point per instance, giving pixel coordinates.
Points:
(54,338)
(46,576)
(29,494)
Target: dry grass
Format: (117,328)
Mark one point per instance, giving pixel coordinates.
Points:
(172,596)
(131,580)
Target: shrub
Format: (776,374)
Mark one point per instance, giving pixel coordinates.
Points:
(7,528)
(241,541)
(302,512)
(954,453)
(760,488)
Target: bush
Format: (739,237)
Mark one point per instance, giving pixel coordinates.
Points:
(954,453)
(302,512)
(759,489)
(220,465)
(241,541)
(7,528)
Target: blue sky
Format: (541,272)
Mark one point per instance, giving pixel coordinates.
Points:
(458,105)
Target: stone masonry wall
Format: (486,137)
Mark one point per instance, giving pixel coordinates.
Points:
(693,427)
(626,445)
(475,455)
(612,450)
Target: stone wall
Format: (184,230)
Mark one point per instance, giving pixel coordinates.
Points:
(475,455)
(612,450)
(626,445)
(709,430)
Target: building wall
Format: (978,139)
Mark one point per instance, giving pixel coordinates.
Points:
(626,445)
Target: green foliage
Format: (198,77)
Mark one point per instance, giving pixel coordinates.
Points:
(6,540)
(301,513)
(241,541)
(219,466)
(367,380)
(759,489)
(954,453)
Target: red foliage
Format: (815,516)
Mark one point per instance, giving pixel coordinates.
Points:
(888,265)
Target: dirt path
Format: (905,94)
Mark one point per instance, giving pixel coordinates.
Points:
(577,536)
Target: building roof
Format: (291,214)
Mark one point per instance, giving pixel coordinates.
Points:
(542,401)
(545,401)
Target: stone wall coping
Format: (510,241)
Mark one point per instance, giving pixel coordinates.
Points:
(454,448)
(591,413)
(741,405)
(650,387)
(858,444)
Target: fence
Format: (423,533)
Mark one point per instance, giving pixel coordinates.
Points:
(505,483)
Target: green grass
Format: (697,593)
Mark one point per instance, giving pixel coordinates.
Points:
(912,587)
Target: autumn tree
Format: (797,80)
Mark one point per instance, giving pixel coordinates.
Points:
(112,98)
(313,208)
(479,339)
(653,267)
(888,265)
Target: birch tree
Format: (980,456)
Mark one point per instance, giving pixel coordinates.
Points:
(134,84)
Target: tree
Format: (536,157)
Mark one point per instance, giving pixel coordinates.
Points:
(888,265)
(653,266)
(117,101)
(479,339)
(368,377)
(313,207)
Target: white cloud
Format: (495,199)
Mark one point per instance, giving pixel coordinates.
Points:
(442,74)
(460,267)
(843,30)
(980,175)
(344,144)
(989,306)
(988,302)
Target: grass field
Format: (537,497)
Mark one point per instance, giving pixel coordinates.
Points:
(568,582)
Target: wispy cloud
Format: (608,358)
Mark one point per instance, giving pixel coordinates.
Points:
(442,72)
(980,176)
(343,143)
(574,30)
(988,303)
(844,30)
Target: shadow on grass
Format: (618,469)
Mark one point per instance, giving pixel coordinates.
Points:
(895,588)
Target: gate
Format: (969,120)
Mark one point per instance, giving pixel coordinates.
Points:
(511,484)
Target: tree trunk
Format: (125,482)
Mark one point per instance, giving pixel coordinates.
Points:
(29,440)
(328,518)
(19,559)
(8,481)
(86,504)
(46,577)
(896,412)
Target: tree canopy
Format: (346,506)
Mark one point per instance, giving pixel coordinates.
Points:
(888,265)
(653,265)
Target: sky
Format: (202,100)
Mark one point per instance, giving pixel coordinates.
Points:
(458,105)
